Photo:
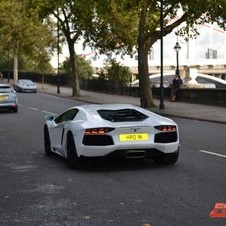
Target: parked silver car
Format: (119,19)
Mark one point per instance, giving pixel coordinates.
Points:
(25,85)
(8,98)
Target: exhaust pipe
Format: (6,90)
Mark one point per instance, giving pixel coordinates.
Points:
(135,154)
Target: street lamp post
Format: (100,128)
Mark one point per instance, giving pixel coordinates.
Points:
(161,104)
(58,53)
(177,48)
(8,64)
(58,68)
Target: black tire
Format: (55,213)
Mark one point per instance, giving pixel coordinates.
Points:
(167,159)
(73,160)
(47,143)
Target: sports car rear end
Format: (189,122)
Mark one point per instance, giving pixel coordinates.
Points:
(130,140)
(131,134)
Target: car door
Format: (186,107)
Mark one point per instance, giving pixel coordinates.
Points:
(58,130)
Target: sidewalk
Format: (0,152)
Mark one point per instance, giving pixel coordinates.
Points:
(177,109)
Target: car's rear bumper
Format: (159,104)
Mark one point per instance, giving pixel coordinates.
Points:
(146,150)
(144,153)
(9,106)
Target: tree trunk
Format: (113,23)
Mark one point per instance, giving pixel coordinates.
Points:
(146,100)
(74,71)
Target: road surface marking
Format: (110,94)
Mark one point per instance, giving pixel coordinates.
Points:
(49,113)
(213,153)
(35,109)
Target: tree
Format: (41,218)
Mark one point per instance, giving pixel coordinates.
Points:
(174,14)
(84,67)
(119,25)
(22,29)
(118,73)
(72,16)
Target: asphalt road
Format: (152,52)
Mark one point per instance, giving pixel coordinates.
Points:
(40,190)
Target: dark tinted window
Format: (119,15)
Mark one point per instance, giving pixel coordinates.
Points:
(122,115)
(66,116)
(6,89)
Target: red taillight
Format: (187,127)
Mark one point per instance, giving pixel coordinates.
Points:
(99,131)
(166,128)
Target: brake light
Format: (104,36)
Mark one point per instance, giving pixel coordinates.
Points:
(166,128)
(99,131)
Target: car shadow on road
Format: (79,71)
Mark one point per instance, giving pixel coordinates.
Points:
(114,164)
(126,165)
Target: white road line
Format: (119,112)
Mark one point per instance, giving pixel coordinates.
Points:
(213,153)
(49,113)
(35,109)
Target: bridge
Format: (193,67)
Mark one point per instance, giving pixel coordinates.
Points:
(216,70)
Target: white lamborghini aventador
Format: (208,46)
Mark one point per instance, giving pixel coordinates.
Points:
(122,130)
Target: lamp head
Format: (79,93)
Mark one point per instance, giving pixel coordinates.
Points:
(177,47)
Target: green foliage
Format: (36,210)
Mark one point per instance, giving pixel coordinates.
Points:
(84,67)
(116,71)
(22,30)
(113,26)
(115,23)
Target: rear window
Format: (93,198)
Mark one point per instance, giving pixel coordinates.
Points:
(6,89)
(122,115)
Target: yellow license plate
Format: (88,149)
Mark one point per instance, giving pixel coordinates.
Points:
(3,97)
(133,137)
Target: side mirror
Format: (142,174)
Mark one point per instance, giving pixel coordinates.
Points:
(49,118)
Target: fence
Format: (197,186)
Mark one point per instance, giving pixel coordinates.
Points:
(215,96)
